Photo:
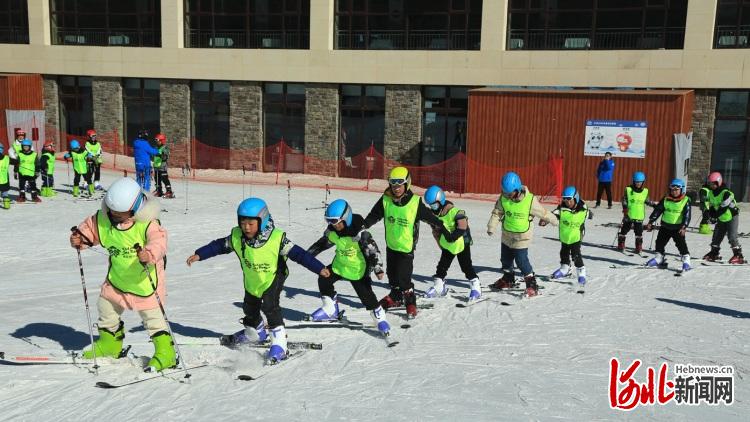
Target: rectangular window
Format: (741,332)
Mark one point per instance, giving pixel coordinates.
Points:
(14,22)
(141,106)
(362,125)
(730,153)
(408,24)
(76,106)
(596,24)
(106,22)
(732,28)
(210,112)
(284,120)
(443,123)
(247,24)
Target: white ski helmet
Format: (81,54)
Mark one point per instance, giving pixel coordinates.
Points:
(124,195)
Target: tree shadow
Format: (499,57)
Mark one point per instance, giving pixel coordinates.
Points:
(68,337)
(183,330)
(708,308)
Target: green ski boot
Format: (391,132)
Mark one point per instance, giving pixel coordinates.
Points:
(108,344)
(92,188)
(76,191)
(164,354)
(6,203)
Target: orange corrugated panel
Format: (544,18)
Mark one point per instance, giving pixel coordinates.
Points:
(521,128)
(25,92)
(3,106)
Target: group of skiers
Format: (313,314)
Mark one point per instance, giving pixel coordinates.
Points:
(129,218)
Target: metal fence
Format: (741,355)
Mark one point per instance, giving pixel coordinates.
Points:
(587,39)
(247,39)
(732,36)
(107,38)
(407,40)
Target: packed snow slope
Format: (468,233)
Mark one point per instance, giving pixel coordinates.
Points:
(544,358)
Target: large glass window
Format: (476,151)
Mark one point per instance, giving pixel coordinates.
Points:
(732,28)
(362,124)
(76,105)
(14,22)
(210,105)
(408,24)
(731,148)
(444,119)
(284,119)
(141,105)
(247,24)
(596,24)
(118,23)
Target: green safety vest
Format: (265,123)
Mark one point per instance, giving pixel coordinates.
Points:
(125,271)
(449,221)
(27,164)
(673,211)
(517,218)
(636,203)
(570,225)
(714,201)
(18,147)
(399,224)
(259,265)
(4,167)
(50,157)
(158,159)
(80,165)
(349,261)
(94,149)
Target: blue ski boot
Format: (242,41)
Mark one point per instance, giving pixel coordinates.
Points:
(438,288)
(561,272)
(657,261)
(378,315)
(278,350)
(248,335)
(475,291)
(329,311)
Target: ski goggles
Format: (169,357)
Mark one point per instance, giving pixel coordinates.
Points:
(675,187)
(333,220)
(397,182)
(511,195)
(435,206)
(568,198)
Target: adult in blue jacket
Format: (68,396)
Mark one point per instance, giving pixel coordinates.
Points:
(142,152)
(604,174)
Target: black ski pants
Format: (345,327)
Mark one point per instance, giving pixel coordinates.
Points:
(363,288)
(464,260)
(663,237)
(573,250)
(399,268)
(268,303)
(22,184)
(604,187)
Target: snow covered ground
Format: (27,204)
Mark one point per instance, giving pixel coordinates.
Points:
(543,358)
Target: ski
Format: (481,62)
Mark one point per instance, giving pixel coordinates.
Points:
(226,342)
(722,264)
(474,302)
(419,306)
(151,376)
(67,358)
(389,342)
(268,367)
(309,317)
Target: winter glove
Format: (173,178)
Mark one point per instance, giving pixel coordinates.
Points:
(15,176)
(625,220)
(683,230)
(543,223)
(591,215)
(490,233)
(712,220)
(649,227)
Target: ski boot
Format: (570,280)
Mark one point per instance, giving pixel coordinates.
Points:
(97,186)
(705,228)
(638,245)
(164,354)
(21,197)
(712,255)
(737,257)
(410,300)
(686,263)
(169,194)
(158,194)
(109,344)
(329,311)
(278,350)
(76,191)
(438,289)
(581,271)
(505,282)
(35,197)
(532,289)
(657,261)
(91,190)
(621,243)
(248,335)
(392,300)
(6,202)
(561,272)
(44,191)
(475,291)
(378,315)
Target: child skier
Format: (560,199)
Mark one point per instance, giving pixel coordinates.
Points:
(401,212)
(47,167)
(161,175)
(674,210)
(262,250)
(456,244)
(5,163)
(703,206)
(81,159)
(356,255)
(128,217)
(516,209)
(634,211)
(27,168)
(572,213)
(722,209)
(94,148)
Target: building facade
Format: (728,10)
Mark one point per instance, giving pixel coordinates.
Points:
(334,78)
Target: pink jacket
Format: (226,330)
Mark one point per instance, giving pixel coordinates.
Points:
(156,246)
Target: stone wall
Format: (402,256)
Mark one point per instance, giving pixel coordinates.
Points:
(52,111)
(403,123)
(704,117)
(108,112)
(174,119)
(321,129)
(245,125)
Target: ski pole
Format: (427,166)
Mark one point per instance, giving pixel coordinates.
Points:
(243,182)
(651,245)
(185,171)
(74,229)
(68,166)
(289,200)
(619,229)
(137,248)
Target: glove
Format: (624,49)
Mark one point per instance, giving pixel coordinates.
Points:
(649,227)
(490,233)
(591,215)
(15,176)
(543,223)
(712,220)
(683,230)
(625,220)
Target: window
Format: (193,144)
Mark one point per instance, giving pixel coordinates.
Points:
(596,24)
(408,24)
(731,147)
(284,119)
(444,123)
(141,105)
(732,28)
(76,106)
(362,124)
(210,106)
(14,22)
(247,24)
(106,22)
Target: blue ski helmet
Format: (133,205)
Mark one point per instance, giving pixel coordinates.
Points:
(511,182)
(678,183)
(339,210)
(254,208)
(74,144)
(570,192)
(434,197)
(2,148)
(639,177)
(26,143)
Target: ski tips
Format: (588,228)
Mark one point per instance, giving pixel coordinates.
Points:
(102,384)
